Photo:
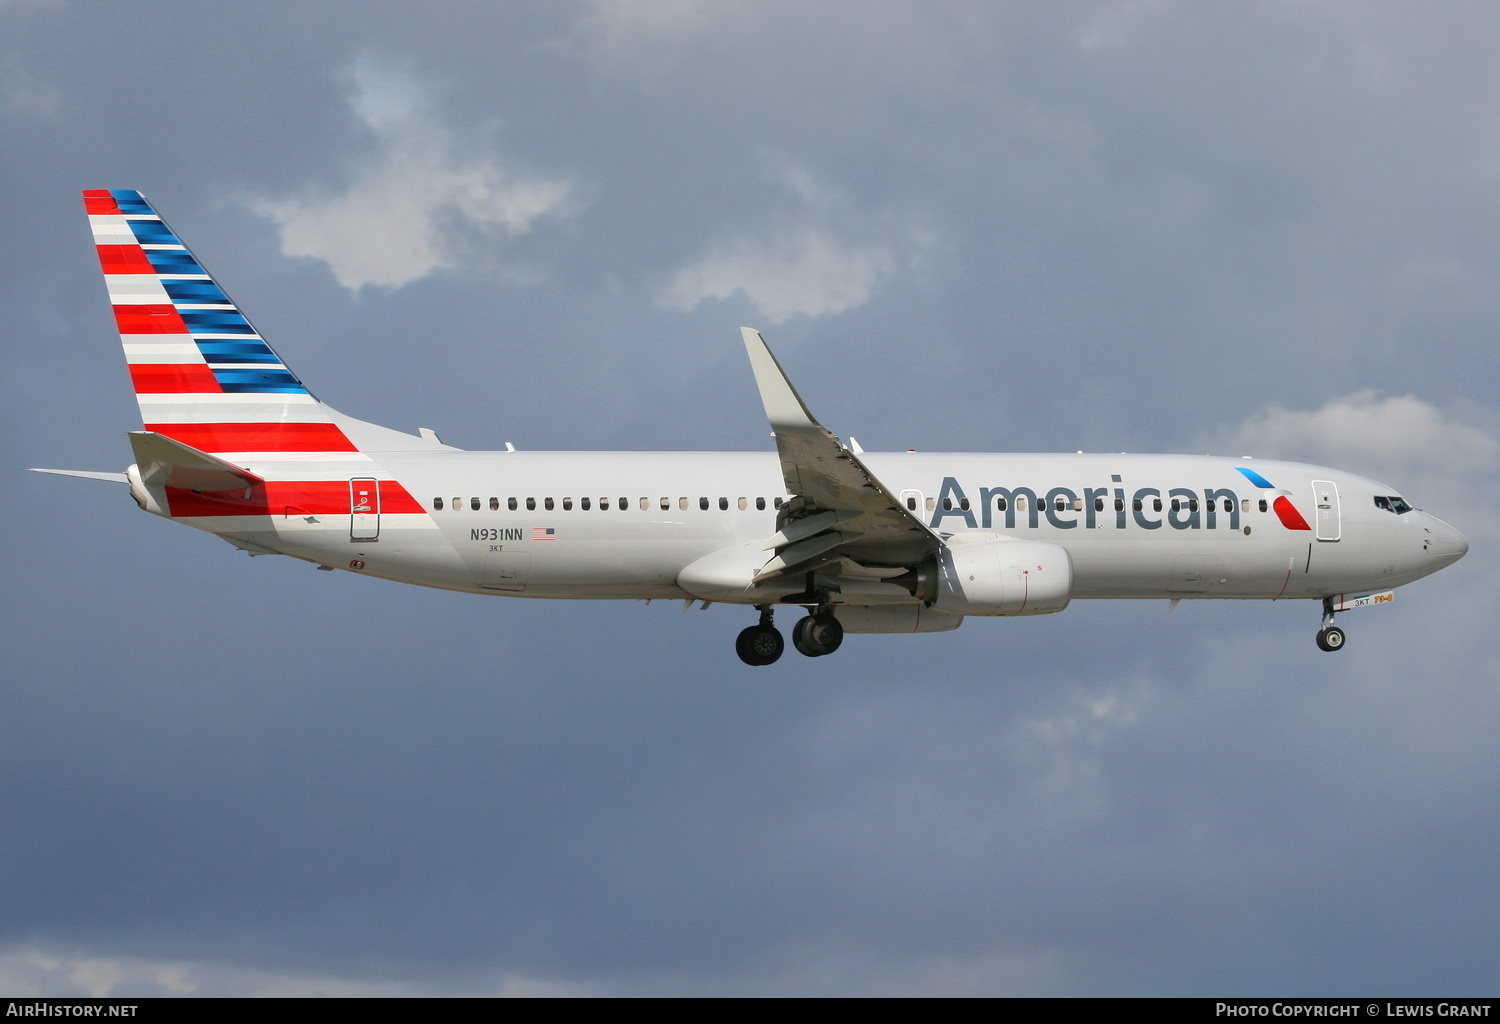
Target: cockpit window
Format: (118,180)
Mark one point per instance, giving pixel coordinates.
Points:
(1391,503)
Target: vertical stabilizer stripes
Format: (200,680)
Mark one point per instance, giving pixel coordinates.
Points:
(184,338)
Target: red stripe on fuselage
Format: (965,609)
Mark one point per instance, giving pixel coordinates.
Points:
(149,320)
(257,437)
(1288,514)
(285,499)
(173,379)
(124,259)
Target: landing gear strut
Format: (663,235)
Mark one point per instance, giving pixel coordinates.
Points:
(1330,637)
(818,634)
(762,643)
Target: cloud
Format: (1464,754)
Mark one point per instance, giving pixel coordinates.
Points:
(29,969)
(804,271)
(417,205)
(652,35)
(1402,439)
(811,261)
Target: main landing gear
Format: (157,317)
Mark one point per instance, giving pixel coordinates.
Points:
(817,634)
(760,644)
(1330,637)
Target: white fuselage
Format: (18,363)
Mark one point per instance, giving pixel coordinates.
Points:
(1101,508)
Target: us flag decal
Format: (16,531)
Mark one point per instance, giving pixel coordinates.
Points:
(543,533)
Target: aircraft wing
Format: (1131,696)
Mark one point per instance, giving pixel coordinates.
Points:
(839,509)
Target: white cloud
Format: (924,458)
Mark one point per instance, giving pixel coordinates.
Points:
(1401,440)
(796,272)
(416,205)
(816,258)
(30,970)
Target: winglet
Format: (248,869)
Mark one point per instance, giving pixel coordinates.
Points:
(784,407)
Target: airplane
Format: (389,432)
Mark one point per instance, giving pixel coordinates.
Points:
(235,444)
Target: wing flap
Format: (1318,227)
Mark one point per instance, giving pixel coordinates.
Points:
(824,476)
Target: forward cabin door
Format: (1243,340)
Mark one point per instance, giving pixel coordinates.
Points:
(364,508)
(1326,499)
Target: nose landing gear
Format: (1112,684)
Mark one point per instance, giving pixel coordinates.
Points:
(1330,637)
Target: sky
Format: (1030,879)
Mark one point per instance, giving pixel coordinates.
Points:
(1121,225)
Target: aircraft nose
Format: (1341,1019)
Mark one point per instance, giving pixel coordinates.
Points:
(1448,545)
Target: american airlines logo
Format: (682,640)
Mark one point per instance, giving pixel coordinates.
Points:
(1148,508)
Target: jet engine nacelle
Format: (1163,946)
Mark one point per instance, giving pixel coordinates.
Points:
(993,575)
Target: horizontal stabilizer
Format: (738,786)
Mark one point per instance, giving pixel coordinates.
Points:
(114,478)
(170,463)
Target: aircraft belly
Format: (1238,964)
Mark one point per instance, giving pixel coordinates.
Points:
(1111,566)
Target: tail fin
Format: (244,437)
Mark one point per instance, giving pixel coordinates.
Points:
(202,374)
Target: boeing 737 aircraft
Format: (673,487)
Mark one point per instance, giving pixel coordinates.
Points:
(233,443)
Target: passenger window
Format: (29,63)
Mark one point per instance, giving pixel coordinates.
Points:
(1136,505)
(929,504)
(723,504)
(744,504)
(1098,504)
(1078,504)
(911,504)
(458,504)
(666,504)
(703,504)
(1263,504)
(510,503)
(1192,504)
(1000,504)
(1228,505)
(1244,504)
(947,504)
(474,504)
(531,504)
(1156,504)
(1176,505)
(776,502)
(682,504)
(1060,505)
(1120,504)
(963,503)
(494,504)
(603,504)
(1021,503)
(760,504)
(437,504)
